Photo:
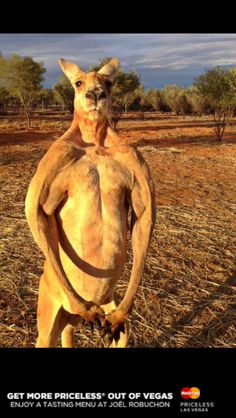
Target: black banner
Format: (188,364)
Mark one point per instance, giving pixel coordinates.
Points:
(165,382)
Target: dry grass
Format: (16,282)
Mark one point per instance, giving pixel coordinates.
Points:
(187,296)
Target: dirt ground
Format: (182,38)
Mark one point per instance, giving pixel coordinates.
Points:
(187,296)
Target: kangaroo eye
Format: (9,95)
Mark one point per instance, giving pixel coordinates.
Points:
(78,83)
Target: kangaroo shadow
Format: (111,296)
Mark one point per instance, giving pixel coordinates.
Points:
(183,140)
(22,138)
(170,126)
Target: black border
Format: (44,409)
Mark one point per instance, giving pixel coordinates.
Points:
(122,370)
(212,370)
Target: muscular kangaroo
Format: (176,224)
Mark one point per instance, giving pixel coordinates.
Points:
(77,209)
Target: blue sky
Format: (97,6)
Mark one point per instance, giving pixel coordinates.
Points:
(158,58)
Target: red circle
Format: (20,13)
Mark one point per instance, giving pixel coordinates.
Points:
(185,393)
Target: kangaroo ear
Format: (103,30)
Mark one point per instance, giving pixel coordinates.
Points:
(110,69)
(71,70)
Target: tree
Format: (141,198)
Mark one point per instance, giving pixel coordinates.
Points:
(153,99)
(218,86)
(46,98)
(64,93)
(136,98)
(124,87)
(4,98)
(232,76)
(22,77)
(175,97)
(199,104)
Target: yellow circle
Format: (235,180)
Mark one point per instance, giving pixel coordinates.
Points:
(195,393)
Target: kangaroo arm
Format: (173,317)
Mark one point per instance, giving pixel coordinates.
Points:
(143,220)
(46,191)
(60,156)
(140,242)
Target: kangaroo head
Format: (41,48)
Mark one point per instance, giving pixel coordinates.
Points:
(93,89)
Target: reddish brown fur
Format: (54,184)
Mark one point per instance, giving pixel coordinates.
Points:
(77,207)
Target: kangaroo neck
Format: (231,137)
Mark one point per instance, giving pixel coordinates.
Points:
(85,131)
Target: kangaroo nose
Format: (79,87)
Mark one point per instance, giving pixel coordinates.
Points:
(91,95)
(95,95)
(102,95)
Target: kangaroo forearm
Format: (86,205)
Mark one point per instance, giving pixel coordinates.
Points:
(80,304)
(135,279)
(140,242)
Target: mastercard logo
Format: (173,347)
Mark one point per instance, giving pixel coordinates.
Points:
(190,393)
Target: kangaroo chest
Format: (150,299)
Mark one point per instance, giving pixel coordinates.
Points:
(94,217)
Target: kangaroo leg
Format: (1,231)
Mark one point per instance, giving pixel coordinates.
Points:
(67,336)
(123,336)
(50,318)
